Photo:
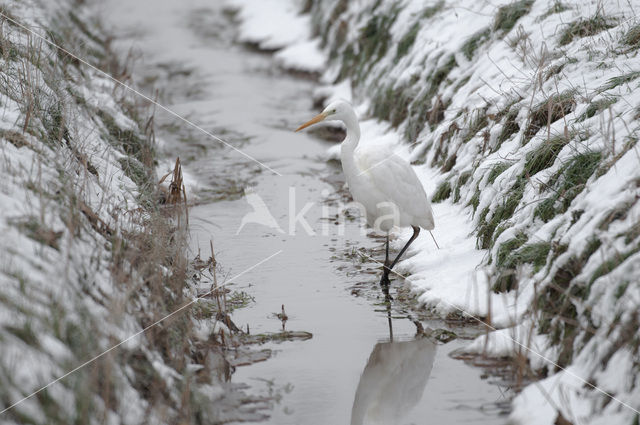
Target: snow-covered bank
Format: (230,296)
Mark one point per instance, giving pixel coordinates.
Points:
(89,255)
(279,25)
(523,119)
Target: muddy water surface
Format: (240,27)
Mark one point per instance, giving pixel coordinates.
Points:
(349,371)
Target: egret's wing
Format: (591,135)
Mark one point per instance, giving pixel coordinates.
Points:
(397,181)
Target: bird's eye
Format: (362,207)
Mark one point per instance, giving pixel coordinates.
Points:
(333,112)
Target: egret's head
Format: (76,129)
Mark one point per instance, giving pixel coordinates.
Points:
(339,110)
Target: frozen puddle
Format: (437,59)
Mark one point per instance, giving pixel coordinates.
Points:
(349,370)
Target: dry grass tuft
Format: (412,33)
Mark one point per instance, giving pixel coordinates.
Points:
(176,193)
(16,139)
(549,111)
(585,28)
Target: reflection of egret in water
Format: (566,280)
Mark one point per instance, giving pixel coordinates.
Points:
(393,381)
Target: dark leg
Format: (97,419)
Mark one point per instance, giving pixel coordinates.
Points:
(386,258)
(384,281)
(390,323)
(416,231)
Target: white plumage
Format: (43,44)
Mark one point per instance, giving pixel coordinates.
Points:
(385,177)
(385,184)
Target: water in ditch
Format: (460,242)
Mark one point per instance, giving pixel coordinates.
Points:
(364,363)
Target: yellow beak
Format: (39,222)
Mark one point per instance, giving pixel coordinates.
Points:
(314,120)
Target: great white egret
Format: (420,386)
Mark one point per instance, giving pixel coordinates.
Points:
(393,381)
(385,184)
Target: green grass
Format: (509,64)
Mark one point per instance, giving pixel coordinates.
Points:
(508,15)
(450,162)
(85,29)
(507,248)
(375,37)
(546,209)
(394,104)
(549,111)
(462,180)
(509,128)
(427,107)
(596,107)
(486,229)
(585,28)
(544,156)
(137,172)
(576,174)
(349,62)
(54,125)
(384,102)
(610,264)
(462,82)
(535,253)
(417,116)
(9,51)
(442,193)
(441,74)
(514,253)
(498,169)
(407,41)
(621,289)
(557,7)
(567,183)
(128,141)
(470,47)
(474,202)
(340,7)
(238,299)
(478,121)
(372,43)
(557,303)
(622,79)
(632,37)
(24,332)
(430,12)
(632,233)
(340,29)
(33,229)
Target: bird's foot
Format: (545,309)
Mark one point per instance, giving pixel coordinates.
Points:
(387,296)
(384,280)
(384,283)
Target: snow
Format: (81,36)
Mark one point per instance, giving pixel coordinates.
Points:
(302,56)
(280,25)
(519,339)
(262,22)
(451,279)
(330,93)
(61,302)
(448,279)
(511,69)
(68,278)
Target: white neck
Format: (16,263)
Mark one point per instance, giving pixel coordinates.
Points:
(350,143)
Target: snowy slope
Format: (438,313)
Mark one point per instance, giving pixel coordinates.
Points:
(88,257)
(522,119)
